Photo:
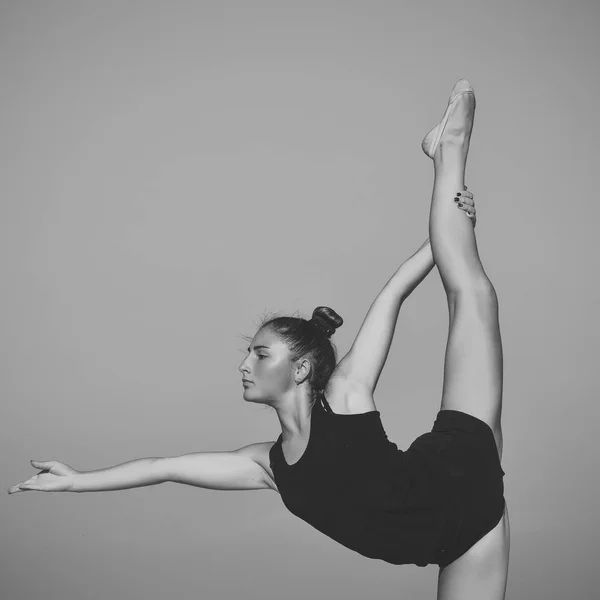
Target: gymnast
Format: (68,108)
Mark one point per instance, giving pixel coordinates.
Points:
(441,501)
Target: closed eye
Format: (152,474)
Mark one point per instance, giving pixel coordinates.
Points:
(248,353)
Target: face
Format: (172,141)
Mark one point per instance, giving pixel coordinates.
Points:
(267,371)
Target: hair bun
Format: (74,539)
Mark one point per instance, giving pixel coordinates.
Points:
(326,319)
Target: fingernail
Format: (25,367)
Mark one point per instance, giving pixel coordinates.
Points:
(458,194)
(459,205)
(455,199)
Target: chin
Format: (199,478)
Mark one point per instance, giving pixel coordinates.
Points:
(254,398)
(249,397)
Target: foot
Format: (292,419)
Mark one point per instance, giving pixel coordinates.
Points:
(457,123)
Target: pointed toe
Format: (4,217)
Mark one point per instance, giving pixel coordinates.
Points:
(432,139)
(460,87)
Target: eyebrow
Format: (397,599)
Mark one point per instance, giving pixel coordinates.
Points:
(255,347)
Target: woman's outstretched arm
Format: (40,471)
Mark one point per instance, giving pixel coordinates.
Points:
(362,366)
(242,469)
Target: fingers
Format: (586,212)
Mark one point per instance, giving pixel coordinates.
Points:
(34,483)
(471,213)
(468,202)
(14,489)
(24,487)
(469,209)
(44,465)
(30,487)
(31,484)
(464,201)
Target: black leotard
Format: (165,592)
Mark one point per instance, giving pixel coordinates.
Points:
(428,504)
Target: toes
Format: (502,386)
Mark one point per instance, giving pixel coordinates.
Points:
(462,85)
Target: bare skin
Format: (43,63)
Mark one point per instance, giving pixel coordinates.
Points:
(472,376)
(273,381)
(473,363)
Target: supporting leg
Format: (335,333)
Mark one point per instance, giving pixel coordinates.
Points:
(482,572)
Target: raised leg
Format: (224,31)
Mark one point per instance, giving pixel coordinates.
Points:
(473,363)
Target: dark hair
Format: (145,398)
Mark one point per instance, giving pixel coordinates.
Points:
(310,338)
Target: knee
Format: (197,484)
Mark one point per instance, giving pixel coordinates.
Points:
(477,295)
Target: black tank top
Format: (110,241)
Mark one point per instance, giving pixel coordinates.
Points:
(356,487)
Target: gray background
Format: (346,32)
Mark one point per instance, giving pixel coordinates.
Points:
(170,170)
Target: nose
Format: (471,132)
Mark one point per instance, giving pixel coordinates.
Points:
(243,368)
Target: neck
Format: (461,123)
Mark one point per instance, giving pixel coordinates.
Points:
(294,413)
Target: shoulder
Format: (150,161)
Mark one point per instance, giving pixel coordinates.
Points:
(347,396)
(259,453)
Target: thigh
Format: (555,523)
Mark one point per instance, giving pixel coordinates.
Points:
(473,363)
(480,573)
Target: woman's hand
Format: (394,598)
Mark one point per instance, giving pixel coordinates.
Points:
(54,477)
(464,201)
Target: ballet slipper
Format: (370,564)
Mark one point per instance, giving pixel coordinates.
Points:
(432,139)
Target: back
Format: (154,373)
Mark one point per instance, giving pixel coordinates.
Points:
(355,486)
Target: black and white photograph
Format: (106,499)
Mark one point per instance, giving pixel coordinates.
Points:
(300,300)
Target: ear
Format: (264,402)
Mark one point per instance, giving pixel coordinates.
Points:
(302,371)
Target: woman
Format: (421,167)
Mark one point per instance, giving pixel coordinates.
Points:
(440,501)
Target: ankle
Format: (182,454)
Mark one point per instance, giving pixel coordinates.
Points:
(455,138)
(453,149)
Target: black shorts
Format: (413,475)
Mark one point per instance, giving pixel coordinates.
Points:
(461,451)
